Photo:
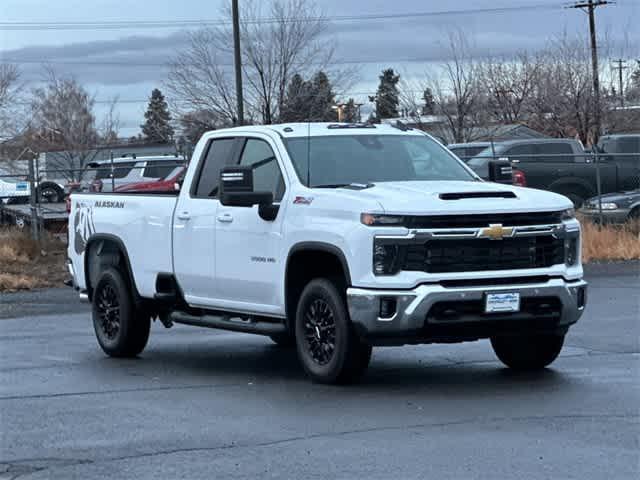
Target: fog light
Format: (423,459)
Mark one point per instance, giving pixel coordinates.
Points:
(582,297)
(388,307)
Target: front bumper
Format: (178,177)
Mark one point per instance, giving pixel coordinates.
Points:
(619,215)
(434,313)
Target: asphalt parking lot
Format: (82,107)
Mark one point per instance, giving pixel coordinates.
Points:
(208,404)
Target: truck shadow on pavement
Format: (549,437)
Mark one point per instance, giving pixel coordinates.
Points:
(388,371)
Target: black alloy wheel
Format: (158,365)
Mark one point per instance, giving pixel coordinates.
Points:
(320,331)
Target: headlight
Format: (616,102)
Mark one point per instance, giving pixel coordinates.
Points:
(376,220)
(385,259)
(572,248)
(568,214)
(608,206)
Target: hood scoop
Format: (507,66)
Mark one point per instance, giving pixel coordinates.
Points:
(463,195)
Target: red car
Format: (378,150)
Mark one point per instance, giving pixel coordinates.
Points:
(167,184)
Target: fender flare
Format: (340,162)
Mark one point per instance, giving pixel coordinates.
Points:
(106,237)
(322,247)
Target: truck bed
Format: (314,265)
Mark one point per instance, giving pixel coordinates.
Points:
(141,222)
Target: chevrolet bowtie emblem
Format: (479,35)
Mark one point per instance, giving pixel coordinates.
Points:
(496,232)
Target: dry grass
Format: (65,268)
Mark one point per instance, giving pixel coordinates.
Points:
(610,242)
(23,265)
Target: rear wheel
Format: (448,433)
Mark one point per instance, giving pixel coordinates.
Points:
(328,347)
(121,329)
(527,352)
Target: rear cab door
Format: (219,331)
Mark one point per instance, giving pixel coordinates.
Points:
(194,220)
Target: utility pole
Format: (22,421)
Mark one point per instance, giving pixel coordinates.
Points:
(620,67)
(237,60)
(590,7)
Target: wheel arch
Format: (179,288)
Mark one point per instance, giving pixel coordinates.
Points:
(307,260)
(572,184)
(105,250)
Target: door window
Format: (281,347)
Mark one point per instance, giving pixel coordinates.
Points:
(159,169)
(267,176)
(217,156)
(519,152)
(561,152)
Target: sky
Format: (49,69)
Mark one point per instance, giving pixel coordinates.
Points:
(130,62)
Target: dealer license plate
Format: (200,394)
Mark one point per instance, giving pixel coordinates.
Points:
(502,302)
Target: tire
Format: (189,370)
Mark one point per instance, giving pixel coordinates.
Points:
(327,345)
(530,352)
(576,198)
(284,340)
(50,193)
(121,329)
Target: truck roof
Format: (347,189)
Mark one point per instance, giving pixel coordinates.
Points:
(129,159)
(319,129)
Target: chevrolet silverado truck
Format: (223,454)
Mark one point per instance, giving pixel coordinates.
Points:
(334,238)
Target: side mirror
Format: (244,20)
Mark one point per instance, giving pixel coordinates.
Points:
(500,171)
(236,188)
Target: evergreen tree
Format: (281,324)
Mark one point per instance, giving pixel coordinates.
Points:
(323,99)
(157,127)
(429,103)
(387,97)
(350,112)
(309,100)
(298,101)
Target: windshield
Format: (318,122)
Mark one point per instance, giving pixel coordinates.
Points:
(487,153)
(362,159)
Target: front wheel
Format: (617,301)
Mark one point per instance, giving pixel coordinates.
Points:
(328,347)
(528,352)
(121,329)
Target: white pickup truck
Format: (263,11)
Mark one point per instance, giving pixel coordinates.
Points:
(333,238)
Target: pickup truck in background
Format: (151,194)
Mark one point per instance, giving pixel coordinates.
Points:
(562,165)
(334,238)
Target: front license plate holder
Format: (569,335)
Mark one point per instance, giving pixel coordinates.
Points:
(502,302)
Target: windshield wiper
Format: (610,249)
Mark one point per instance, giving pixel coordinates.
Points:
(352,186)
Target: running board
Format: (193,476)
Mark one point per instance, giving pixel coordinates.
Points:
(210,321)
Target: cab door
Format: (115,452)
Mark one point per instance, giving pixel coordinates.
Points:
(194,225)
(248,263)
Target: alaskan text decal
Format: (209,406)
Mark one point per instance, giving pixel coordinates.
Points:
(108,204)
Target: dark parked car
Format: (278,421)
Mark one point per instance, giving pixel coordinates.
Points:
(562,166)
(616,207)
(466,151)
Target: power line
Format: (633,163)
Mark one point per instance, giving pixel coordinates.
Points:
(132,63)
(153,24)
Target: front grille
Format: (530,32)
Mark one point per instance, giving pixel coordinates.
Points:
(474,255)
(483,220)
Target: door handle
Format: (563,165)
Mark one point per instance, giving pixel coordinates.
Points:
(184,216)
(225,218)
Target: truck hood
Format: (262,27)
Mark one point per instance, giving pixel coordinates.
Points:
(431,198)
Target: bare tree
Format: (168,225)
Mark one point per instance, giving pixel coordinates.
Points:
(63,123)
(509,84)
(563,101)
(273,51)
(457,96)
(10,97)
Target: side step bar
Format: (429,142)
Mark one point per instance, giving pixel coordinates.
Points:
(224,323)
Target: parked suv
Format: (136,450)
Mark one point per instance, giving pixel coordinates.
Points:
(128,170)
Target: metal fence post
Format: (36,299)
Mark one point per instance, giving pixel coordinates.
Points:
(33,197)
(113,179)
(598,186)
